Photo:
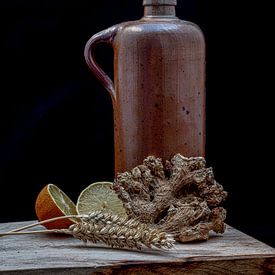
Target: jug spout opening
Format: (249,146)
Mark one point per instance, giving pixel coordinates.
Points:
(159,8)
(159,2)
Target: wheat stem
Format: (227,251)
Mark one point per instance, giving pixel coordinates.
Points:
(44,222)
(28,232)
(110,229)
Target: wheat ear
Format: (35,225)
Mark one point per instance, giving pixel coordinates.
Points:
(112,230)
(130,233)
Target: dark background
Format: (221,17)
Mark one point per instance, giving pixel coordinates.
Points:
(56,119)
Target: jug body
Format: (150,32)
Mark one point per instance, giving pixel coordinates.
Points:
(159,90)
(159,85)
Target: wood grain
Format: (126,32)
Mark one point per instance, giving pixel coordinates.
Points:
(232,253)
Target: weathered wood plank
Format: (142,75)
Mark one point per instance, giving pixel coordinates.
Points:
(232,253)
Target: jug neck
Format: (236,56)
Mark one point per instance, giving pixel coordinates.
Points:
(160,8)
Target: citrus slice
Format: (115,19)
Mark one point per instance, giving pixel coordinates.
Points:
(53,202)
(100,196)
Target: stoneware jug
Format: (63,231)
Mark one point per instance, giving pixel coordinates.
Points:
(158,93)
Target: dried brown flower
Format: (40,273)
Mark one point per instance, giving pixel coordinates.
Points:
(180,197)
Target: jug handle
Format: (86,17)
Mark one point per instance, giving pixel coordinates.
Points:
(105,36)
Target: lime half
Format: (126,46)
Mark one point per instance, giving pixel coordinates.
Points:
(100,196)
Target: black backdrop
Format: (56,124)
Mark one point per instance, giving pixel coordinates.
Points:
(56,119)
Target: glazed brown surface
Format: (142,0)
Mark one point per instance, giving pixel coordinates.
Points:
(158,93)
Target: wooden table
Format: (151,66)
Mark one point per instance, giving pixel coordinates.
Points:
(232,253)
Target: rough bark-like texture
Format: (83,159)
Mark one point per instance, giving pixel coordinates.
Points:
(180,197)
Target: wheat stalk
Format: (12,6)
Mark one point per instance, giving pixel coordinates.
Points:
(119,235)
(113,230)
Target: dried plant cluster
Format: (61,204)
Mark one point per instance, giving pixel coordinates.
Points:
(179,200)
(180,197)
